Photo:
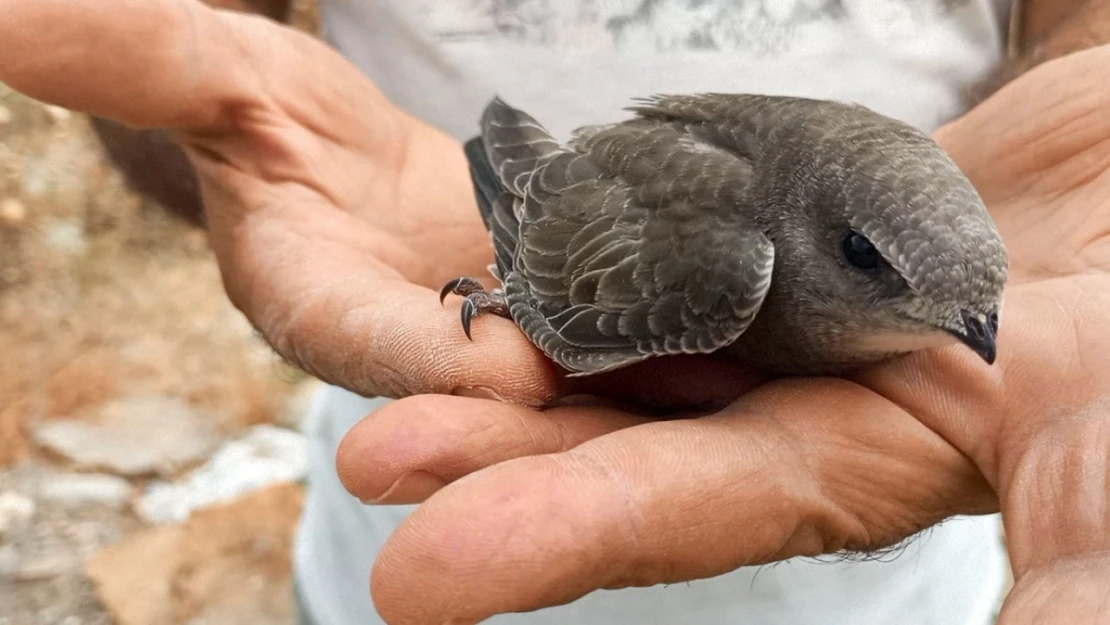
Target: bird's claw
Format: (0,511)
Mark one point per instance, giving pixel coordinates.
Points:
(478,300)
(460,286)
(469,310)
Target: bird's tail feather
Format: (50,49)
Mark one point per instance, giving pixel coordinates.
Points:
(504,230)
(496,204)
(515,142)
(487,188)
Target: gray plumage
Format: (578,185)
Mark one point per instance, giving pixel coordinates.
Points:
(742,223)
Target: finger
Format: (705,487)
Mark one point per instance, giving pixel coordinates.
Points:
(393,339)
(407,450)
(330,298)
(142,62)
(995,413)
(250,95)
(801,468)
(672,383)
(1037,429)
(177,63)
(390,338)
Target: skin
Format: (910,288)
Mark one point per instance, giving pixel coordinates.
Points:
(318,192)
(152,163)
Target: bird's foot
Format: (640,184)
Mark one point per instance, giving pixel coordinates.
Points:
(478,300)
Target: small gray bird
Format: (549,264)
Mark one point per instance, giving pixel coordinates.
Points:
(801,236)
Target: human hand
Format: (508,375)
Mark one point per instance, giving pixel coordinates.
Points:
(260,109)
(335,216)
(1039,152)
(526,509)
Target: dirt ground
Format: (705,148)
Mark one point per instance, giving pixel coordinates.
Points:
(106,296)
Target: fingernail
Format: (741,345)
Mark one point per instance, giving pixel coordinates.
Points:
(477,392)
(412,487)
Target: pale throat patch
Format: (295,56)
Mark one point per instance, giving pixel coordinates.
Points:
(887,342)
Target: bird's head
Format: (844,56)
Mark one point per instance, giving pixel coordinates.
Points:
(904,252)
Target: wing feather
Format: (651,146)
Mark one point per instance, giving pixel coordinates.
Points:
(630,242)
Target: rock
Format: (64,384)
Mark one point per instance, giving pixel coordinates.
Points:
(47,566)
(15,513)
(9,560)
(66,236)
(75,489)
(134,578)
(134,436)
(24,567)
(299,403)
(264,456)
(5,115)
(57,113)
(12,212)
(230,563)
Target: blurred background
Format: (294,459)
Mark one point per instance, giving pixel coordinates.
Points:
(150,457)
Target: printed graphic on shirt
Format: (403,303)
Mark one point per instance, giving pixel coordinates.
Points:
(755,27)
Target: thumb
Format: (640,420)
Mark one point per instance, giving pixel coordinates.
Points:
(178,64)
(145,63)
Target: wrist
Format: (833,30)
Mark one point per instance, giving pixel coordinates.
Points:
(1049,29)
(1041,31)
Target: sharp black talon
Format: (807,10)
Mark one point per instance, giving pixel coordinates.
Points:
(461,286)
(448,288)
(468,310)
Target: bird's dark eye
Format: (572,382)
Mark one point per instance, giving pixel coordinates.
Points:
(859,252)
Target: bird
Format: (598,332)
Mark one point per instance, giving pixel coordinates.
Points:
(802,236)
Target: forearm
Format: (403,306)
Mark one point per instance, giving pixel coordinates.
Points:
(1041,30)
(1033,18)
(1049,29)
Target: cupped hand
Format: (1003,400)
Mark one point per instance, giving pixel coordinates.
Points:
(335,216)
(524,509)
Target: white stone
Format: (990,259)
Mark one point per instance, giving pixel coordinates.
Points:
(299,403)
(15,512)
(266,455)
(75,489)
(58,113)
(44,567)
(134,436)
(9,562)
(66,236)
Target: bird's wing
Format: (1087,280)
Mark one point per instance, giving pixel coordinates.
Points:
(633,242)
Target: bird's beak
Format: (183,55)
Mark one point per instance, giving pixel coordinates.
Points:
(979,334)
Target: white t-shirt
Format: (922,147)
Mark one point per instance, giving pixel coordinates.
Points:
(579,62)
